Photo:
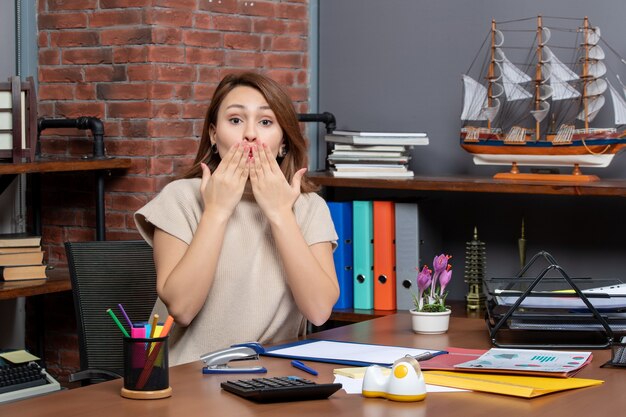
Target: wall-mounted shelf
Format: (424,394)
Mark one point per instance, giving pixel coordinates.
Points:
(615,188)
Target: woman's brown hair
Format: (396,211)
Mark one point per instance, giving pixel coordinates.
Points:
(280,103)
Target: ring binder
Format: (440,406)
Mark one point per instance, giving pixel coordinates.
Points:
(542,307)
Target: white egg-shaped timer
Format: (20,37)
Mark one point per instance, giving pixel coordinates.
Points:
(405,382)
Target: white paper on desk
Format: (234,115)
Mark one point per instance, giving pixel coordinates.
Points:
(355,385)
(616,299)
(349,352)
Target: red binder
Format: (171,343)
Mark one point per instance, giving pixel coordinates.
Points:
(384,255)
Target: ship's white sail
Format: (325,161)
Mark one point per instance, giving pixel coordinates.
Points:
(560,74)
(475,105)
(594,105)
(511,78)
(619,106)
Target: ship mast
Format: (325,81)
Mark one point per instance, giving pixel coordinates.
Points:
(491,71)
(538,74)
(585,76)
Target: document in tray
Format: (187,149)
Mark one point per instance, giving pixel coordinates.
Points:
(528,362)
(609,297)
(346,353)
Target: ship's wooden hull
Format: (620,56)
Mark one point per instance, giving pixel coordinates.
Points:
(590,152)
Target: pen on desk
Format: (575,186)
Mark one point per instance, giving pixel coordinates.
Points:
(424,356)
(130,323)
(115,319)
(167,326)
(303,367)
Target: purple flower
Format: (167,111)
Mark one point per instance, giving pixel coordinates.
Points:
(423,281)
(440,263)
(444,279)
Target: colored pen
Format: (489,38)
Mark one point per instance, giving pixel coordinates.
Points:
(155,322)
(167,326)
(424,356)
(130,323)
(303,367)
(115,319)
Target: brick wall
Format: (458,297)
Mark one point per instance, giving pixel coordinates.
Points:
(147,68)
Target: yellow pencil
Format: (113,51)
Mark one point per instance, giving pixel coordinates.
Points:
(155,321)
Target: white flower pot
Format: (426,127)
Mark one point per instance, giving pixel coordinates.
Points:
(430,323)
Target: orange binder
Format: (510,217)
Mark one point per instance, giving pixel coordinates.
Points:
(384,255)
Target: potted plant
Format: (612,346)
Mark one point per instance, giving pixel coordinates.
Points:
(431,315)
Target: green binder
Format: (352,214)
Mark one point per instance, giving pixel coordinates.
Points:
(363,255)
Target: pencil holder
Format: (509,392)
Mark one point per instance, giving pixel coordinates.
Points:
(146,368)
(618,354)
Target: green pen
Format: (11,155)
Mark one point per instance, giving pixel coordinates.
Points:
(115,319)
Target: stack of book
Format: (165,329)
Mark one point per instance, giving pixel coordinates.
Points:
(21,257)
(372,154)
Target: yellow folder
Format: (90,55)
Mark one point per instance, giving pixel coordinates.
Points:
(519,386)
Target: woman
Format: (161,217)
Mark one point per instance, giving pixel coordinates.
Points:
(242,246)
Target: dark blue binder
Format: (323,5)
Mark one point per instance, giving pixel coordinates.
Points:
(341,213)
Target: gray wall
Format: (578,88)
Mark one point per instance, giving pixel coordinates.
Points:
(396,65)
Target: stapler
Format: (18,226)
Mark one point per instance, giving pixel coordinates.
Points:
(217,362)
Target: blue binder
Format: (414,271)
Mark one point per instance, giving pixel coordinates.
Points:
(341,213)
(363,255)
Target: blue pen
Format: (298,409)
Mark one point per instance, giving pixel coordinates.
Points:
(300,365)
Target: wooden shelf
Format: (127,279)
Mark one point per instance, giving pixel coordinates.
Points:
(64,165)
(58,280)
(616,188)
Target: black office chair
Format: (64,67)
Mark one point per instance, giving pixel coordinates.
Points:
(105,274)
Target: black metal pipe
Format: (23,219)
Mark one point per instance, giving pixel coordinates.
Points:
(84,123)
(327,118)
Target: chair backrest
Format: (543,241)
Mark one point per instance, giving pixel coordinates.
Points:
(105,274)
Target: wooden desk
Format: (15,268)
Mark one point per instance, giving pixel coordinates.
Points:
(196,394)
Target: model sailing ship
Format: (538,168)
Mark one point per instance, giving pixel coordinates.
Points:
(540,113)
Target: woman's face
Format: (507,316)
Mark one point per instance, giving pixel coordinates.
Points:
(244,115)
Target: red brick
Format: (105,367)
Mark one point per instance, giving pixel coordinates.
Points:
(168,129)
(182,91)
(56,21)
(99,73)
(232,23)
(74,38)
(274,26)
(194,110)
(112,18)
(242,41)
(112,128)
(85,92)
(49,56)
(131,202)
(123,235)
(165,35)
(117,4)
(224,6)
(166,110)
(131,184)
(134,128)
(283,77)
(126,91)
(283,43)
(123,54)
(202,38)
(292,11)
(71,5)
(284,60)
(140,72)
(42,39)
(139,166)
(203,92)
(208,75)
(180,4)
(129,109)
(60,75)
(161,166)
(87,56)
(138,36)
(297,28)
(258,8)
(202,21)
(168,17)
(133,147)
(174,54)
(56,92)
(116,221)
(181,73)
(205,56)
(176,147)
(244,59)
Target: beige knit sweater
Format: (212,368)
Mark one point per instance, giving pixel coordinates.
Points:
(249,299)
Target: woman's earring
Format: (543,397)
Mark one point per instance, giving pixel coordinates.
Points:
(214,148)
(282,151)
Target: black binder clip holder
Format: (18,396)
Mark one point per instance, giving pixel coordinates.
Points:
(546,328)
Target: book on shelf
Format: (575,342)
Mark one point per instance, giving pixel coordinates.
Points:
(371,167)
(371,174)
(370,148)
(21,258)
(20,249)
(377,140)
(379,134)
(332,159)
(9,240)
(382,154)
(23,272)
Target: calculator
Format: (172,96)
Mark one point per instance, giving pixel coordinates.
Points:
(280,389)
